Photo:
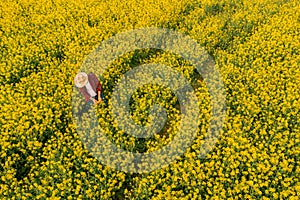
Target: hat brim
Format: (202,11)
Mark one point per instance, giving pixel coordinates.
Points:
(80,85)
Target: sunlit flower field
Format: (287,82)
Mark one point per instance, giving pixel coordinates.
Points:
(255,45)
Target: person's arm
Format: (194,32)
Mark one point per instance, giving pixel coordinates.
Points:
(97,82)
(98,86)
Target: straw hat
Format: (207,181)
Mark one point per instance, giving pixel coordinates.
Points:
(81,79)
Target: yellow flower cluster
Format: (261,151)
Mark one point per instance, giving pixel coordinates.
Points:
(255,45)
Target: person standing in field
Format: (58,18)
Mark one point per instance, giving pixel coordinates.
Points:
(90,87)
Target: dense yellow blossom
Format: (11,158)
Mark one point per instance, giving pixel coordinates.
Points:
(255,45)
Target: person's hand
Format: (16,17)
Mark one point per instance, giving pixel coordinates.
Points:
(94,101)
(100,100)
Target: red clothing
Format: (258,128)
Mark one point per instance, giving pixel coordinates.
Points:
(95,83)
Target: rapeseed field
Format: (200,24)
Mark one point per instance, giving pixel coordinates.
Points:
(255,46)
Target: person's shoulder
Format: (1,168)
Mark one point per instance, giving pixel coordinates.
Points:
(92,74)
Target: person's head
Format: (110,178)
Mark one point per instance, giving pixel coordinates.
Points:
(81,79)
